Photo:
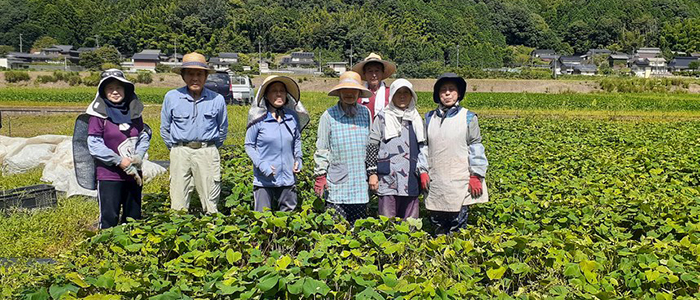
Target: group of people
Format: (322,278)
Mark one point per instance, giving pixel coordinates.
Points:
(372,141)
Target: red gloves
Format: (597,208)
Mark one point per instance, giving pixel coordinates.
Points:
(475,186)
(320,185)
(424,181)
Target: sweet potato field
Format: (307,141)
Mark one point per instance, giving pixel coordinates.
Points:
(581,208)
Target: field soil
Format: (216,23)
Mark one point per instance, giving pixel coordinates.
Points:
(323,84)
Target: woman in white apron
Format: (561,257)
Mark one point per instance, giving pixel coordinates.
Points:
(456,158)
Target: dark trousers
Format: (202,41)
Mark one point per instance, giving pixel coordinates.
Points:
(398,206)
(351,212)
(115,195)
(449,222)
(275,198)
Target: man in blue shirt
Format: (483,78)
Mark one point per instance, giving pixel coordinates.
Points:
(193,124)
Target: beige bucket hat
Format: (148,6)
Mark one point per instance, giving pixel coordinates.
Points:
(193,60)
(289,84)
(350,80)
(389,67)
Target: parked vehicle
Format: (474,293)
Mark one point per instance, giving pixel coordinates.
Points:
(220,82)
(242,90)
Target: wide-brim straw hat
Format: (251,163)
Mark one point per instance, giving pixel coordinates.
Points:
(194,60)
(389,67)
(350,80)
(449,77)
(289,84)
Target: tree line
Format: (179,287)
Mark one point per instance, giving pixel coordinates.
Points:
(422,36)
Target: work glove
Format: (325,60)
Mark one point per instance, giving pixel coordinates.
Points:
(137,161)
(131,170)
(424,181)
(475,186)
(320,185)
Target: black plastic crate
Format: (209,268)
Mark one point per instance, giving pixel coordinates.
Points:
(34,196)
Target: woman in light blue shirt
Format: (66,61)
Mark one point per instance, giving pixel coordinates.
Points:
(273,143)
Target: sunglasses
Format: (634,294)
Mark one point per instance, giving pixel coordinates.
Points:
(112,73)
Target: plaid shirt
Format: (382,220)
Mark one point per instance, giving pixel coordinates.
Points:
(340,154)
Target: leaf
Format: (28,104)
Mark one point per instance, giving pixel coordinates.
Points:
(77,279)
(588,267)
(369,293)
(105,280)
(652,275)
(41,294)
(296,287)
(268,282)
(133,247)
(233,257)
(57,291)
(102,297)
(283,262)
(494,274)
(519,268)
(572,270)
(313,286)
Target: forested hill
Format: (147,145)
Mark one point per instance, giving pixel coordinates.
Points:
(410,32)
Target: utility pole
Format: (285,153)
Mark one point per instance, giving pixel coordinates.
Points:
(20,42)
(175,55)
(259,57)
(351,55)
(457,55)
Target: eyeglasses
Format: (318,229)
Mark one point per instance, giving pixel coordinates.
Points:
(113,73)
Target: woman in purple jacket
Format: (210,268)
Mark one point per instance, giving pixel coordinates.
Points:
(118,142)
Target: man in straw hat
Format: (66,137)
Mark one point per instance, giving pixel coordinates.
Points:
(373,69)
(193,125)
(273,143)
(343,132)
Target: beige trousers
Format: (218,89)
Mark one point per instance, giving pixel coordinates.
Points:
(198,168)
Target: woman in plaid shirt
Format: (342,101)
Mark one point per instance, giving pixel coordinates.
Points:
(343,133)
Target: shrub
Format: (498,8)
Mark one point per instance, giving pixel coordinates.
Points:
(107,66)
(161,68)
(74,80)
(145,77)
(92,80)
(16,76)
(45,79)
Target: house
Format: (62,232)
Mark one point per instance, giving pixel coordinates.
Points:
(339,66)
(658,66)
(548,57)
(679,64)
(538,53)
(585,69)
(299,60)
(29,58)
(565,64)
(10,63)
(592,53)
(86,49)
(174,58)
(218,64)
(228,57)
(640,67)
(58,50)
(144,60)
(648,53)
(618,60)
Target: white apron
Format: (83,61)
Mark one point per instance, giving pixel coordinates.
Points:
(448,160)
